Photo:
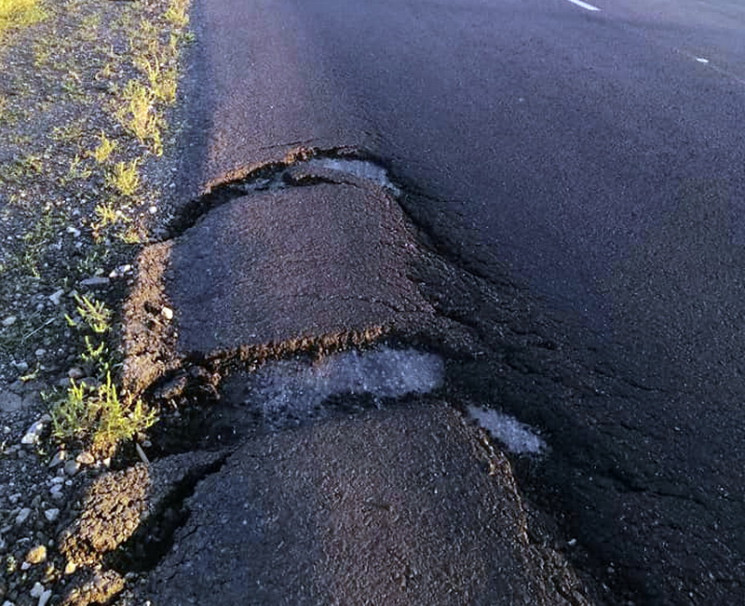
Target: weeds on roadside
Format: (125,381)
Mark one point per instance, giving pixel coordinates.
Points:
(94,313)
(177,13)
(140,116)
(124,178)
(77,170)
(104,149)
(99,414)
(163,80)
(94,410)
(18,13)
(106,216)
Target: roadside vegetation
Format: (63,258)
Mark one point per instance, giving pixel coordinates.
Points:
(85,119)
(18,13)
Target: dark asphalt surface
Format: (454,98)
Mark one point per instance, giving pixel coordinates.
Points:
(592,159)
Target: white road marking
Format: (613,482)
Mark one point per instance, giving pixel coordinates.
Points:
(587,7)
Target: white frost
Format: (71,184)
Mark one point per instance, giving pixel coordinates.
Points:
(517,437)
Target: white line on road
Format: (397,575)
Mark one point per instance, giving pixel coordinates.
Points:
(588,7)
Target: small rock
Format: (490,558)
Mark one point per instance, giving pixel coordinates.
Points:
(167,313)
(33,434)
(23,516)
(58,458)
(76,373)
(121,271)
(51,514)
(21,366)
(37,590)
(45,597)
(85,458)
(74,231)
(40,353)
(10,402)
(70,568)
(56,296)
(95,282)
(72,467)
(37,555)
(9,321)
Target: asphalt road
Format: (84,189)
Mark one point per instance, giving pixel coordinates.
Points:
(593,158)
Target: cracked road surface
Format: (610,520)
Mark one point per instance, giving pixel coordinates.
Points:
(572,181)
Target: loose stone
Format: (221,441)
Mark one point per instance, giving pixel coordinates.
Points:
(33,434)
(9,321)
(23,516)
(58,458)
(94,282)
(76,373)
(72,467)
(56,296)
(85,458)
(51,514)
(37,590)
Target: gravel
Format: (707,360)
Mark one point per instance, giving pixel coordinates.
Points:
(56,97)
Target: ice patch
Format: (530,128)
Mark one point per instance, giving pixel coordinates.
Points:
(357,168)
(517,437)
(294,390)
(362,169)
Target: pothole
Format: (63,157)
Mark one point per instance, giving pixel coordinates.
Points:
(517,437)
(287,393)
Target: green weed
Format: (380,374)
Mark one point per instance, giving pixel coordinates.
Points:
(100,415)
(140,117)
(104,149)
(94,313)
(124,177)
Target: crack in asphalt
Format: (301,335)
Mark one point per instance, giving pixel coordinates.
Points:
(241,182)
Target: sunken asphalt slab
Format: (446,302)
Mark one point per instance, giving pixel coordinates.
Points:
(402,506)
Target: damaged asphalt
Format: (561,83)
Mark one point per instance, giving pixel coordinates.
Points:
(567,236)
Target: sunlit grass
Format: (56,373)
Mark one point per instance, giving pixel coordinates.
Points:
(17,13)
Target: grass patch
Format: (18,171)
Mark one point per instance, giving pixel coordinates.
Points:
(18,13)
